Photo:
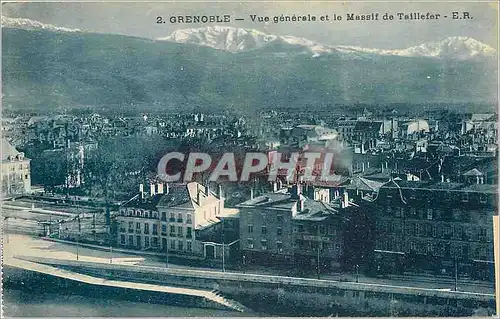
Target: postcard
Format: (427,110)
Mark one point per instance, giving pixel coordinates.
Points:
(250,159)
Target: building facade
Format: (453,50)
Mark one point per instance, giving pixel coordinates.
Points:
(16,176)
(286,227)
(169,218)
(439,227)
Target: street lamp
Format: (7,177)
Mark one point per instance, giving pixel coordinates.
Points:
(244,263)
(357,273)
(317,248)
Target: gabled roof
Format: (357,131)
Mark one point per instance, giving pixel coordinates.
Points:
(473,172)
(8,150)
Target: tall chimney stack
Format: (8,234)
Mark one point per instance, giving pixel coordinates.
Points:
(160,188)
(220,192)
(345,200)
(141,191)
(167,188)
(152,188)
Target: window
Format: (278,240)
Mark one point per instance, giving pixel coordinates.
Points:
(250,243)
(413,211)
(146,241)
(155,229)
(263,243)
(163,228)
(188,219)
(172,244)
(163,216)
(122,239)
(130,227)
(465,197)
(172,217)
(279,231)
(250,229)
(279,246)
(155,241)
(429,214)
(131,240)
(279,218)
(189,246)
(300,228)
(179,231)
(138,225)
(172,230)
(179,218)
(188,232)
(155,215)
(181,245)
(264,230)
(146,228)
(482,198)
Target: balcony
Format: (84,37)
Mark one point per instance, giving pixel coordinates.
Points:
(137,231)
(130,230)
(179,220)
(172,220)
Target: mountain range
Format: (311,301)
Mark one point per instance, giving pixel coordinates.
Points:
(47,67)
(239,39)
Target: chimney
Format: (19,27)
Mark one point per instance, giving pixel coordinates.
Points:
(363,166)
(198,193)
(345,200)
(152,188)
(442,178)
(141,191)
(300,204)
(221,196)
(275,187)
(167,189)
(251,193)
(477,180)
(160,188)
(367,164)
(207,189)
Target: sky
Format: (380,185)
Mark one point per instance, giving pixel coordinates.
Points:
(139,19)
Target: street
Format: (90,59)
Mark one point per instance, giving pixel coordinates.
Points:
(31,246)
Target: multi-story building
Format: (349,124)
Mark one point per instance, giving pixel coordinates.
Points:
(16,177)
(169,219)
(287,227)
(438,226)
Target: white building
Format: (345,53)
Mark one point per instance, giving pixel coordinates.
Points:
(168,218)
(16,177)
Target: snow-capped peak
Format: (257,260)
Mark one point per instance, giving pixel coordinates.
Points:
(239,39)
(22,23)
(452,47)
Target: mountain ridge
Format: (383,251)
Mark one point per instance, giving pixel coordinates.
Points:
(236,40)
(59,70)
(244,39)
